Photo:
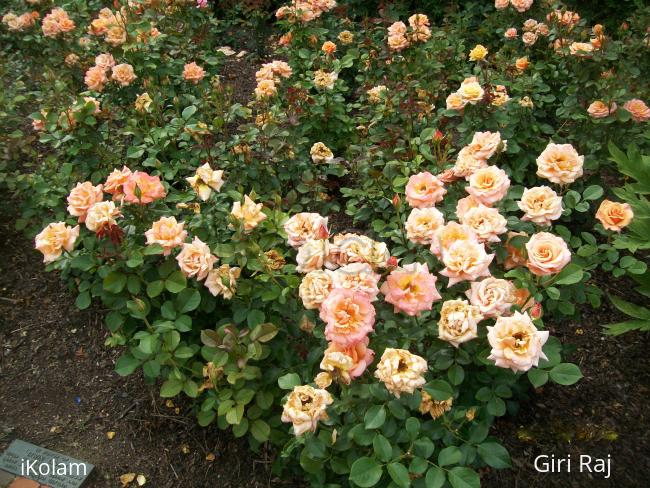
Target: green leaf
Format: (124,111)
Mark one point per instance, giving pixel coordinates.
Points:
(383,449)
(399,474)
(152,249)
(593,192)
(176,282)
(188,112)
(264,332)
(461,477)
(114,282)
(188,300)
(288,381)
(456,374)
(365,472)
(155,288)
(636,311)
(126,365)
(449,455)
(375,417)
(494,455)
(171,388)
(435,477)
(260,430)
(83,300)
(565,374)
(537,377)
(440,390)
(570,275)
(255,317)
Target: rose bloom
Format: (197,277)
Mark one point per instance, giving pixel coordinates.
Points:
(337,365)
(420,33)
(354,248)
(411,289)
(304,407)
(547,254)
(484,144)
(397,42)
(466,204)
(542,29)
(526,102)
(71,59)
(424,190)
(560,163)
(455,102)
(488,185)
(581,49)
(312,254)
(515,255)
(397,28)
(346,37)
(314,288)
(541,205)
(265,89)
(448,234)
(325,79)
(193,72)
(54,238)
(95,78)
(222,281)
(465,260)
(422,223)
(105,61)
(195,259)
(529,38)
(149,188)
(600,110)
(358,277)
(320,153)
(486,222)
(349,316)
(168,233)
(285,39)
(516,342)
(478,53)
(115,182)
(123,74)
(360,357)
(95,102)
(401,371)
(115,35)
(250,213)
(281,68)
(82,197)
(457,323)
(418,20)
(501,4)
(102,214)
(500,96)
(265,73)
(433,407)
(303,226)
(143,102)
(510,33)
(467,163)
(522,64)
(205,180)
(328,47)
(374,94)
(471,91)
(638,109)
(493,296)
(614,215)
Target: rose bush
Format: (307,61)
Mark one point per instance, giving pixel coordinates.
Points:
(368,249)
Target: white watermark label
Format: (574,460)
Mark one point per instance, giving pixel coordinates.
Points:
(584,464)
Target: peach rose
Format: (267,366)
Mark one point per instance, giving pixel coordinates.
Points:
(354,248)
(358,277)
(143,188)
(448,234)
(600,110)
(195,259)
(521,5)
(411,289)
(265,89)
(320,153)
(529,38)
(374,94)
(614,215)
(465,260)
(424,190)
(359,354)
(82,197)
(143,102)
(488,185)
(95,78)
(346,37)
(541,205)
(457,323)
(54,238)
(581,49)
(168,233)
(547,254)
(115,182)
(397,28)
(455,102)
(312,254)
(487,223)
(102,214)
(401,371)
(328,48)
(304,407)
(349,316)
(193,72)
(638,109)
(560,163)
(123,74)
(105,61)
(315,287)
(250,213)
(471,91)
(467,163)
(510,33)
(466,204)
(422,223)
(325,79)
(493,296)
(522,64)
(501,4)
(205,180)
(303,226)
(222,281)
(485,144)
(516,342)
(418,20)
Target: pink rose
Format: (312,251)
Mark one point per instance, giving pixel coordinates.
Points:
(143,188)
(360,354)
(349,316)
(424,190)
(411,289)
